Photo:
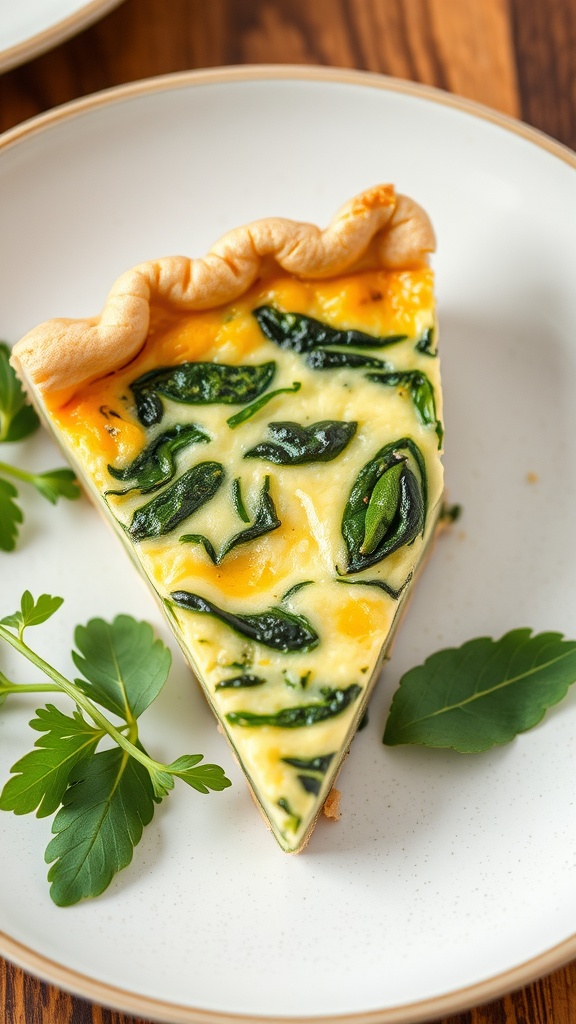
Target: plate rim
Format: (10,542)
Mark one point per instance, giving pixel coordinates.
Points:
(56,33)
(104,993)
(278,72)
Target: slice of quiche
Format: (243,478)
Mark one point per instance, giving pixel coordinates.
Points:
(263,429)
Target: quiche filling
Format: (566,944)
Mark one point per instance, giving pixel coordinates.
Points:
(273,466)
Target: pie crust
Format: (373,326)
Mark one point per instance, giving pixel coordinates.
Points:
(377,228)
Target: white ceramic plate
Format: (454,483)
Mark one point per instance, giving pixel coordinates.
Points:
(449,879)
(30,27)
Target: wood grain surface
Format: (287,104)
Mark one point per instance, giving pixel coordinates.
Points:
(518,56)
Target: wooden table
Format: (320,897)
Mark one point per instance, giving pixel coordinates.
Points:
(518,56)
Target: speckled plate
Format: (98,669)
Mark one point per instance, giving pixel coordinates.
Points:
(30,27)
(449,879)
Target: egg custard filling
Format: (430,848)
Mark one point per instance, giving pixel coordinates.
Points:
(263,429)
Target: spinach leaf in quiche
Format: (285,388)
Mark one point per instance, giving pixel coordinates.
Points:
(275,627)
(425,343)
(294,820)
(386,508)
(240,682)
(238,500)
(320,764)
(250,410)
(392,592)
(156,465)
(198,384)
(177,502)
(301,333)
(292,444)
(334,702)
(421,392)
(265,521)
(311,770)
(334,359)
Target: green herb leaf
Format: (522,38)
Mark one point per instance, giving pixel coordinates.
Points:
(108,797)
(103,814)
(17,421)
(17,418)
(123,665)
(10,516)
(300,333)
(56,483)
(450,513)
(335,701)
(40,778)
(156,465)
(201,777)
(275,628)
(483,693)
(295,445)
(360,532)
(254,407)
(198,384)
(32,613)
(177,502)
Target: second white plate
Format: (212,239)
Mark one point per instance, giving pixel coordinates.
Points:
(30,27)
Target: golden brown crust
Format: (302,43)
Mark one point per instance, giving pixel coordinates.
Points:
(332,805)
(377,227)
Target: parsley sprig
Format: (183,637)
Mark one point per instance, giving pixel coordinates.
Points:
(18,421)
(103,798)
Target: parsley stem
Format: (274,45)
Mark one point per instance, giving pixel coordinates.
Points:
(85,703)
(27,688)
(20,474)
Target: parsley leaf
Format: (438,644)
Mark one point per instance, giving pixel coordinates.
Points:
(17,419)
(203,778)
(56,483)
(40,778)
(10,516)
(105,797)
(473,697)
(123,665)
(103,814)
(32,613)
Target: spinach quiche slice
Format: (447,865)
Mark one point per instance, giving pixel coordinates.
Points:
(263,429)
